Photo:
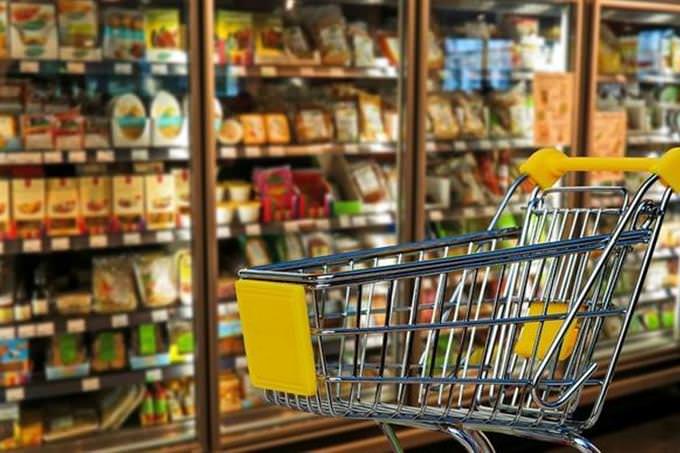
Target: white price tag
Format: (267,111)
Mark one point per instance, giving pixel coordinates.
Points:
(181,69)
(359,221)
(7,333)
(159,315)
(2,248)
(26,331)
(484,144)
(75,325)
(32,245)
(253,229)
(132,239)
(52,157)
(307,71)
(159,69)
(237,71)
(268,71)
(352,149)
(90,384)
(77,157)
(344,221)
(60,244)
(436,216)
(291,226)
(122,68)
(323,224)
(253,151)
(165,236)
(223,232)
(227,152)
(241,362)
(24,158)
(460,146)
(105,155)
(178,153)
(431,146)
(154,375)
(277,151)
(44,329)
(31,67)
(119,321)
(99,241)
(74,67)
(337,72)
(14,394)
(140,154)
(503,143)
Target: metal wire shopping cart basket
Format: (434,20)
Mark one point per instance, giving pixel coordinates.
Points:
(491,331)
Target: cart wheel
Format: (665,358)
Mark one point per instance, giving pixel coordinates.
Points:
(583,445)
(472,441)
(391,437)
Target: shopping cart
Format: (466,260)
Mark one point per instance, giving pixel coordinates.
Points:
(492,331)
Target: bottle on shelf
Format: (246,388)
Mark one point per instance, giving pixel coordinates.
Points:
(40,294)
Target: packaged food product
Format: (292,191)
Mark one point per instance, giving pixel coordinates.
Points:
(31,428)
(95,203)
(327,26)
(277,192)
(225,212)
(248,212)
(184,276)
(28,206)
(160,201)
(156,276)
(34,30)
(362,44)
(290,247)
(9,426)
(4,38)
(148,340)
(346,122)
(163,35)
(74,303)
(225,288)
(117,404)
(96,132)
(9,134)
(654,51)
(129,122)
(15,363)
(312,125)
(391,123)
(257,253)
(317,244)
(276,125)
(67,421)
(628,50)
(113,287)
(369,182)
(314,193)
(108,351)
(230,132)
(470,113)
(78,30)
(371,125)
(269,43)
(239,191)
(168,121)
(444,123)
(181,336)
(66,350)
(435,55)
(389,46)
(38,131)
(123,34)
(234,37)
(182,196)
(254,132)
(510,114)
(69,130)
(63,207)
(229,392)
(5,219)
(128,201)
(297,46)
(218,114)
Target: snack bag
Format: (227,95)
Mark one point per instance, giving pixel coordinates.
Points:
(113,285)
(156,279)
(327,25)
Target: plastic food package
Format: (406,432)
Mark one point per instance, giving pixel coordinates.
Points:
(370,115)
(276,125)
(234,33)
(117,404)
(254,132)
(297,45)
(369,182)
(112,285)
(148,340)
(63,207)
(164,35)
(362,44)
(444,123)
(28,206)
(108,351)
(124,34)
(181,339)
(4,30)
(184,276)
(66,350)
(78,30)
(312,125)
(160,201)
(317,244)
(65,421)
(33,31)
(156,279)
(470,108)
(346,122)
(327,25)
(257,253)
(510,116)
(269,39)
(74,303)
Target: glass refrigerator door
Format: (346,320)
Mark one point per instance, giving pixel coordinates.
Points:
(307,121)
(96,303)
(634,112)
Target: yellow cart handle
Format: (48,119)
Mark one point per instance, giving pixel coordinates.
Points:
(548,165)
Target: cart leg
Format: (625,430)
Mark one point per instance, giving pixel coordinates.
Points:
(391,437)
(472,441)
(583,445)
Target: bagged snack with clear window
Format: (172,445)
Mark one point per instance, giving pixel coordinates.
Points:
(113,286)
(156,278)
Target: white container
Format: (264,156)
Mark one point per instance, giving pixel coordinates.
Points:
(249,212)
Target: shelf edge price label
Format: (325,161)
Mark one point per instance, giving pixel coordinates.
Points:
(154,375)
(159,315)
(337,72)
(165,236)
(253,229)
(223,232)
(26,331)
(140,154)
(75,325)
(52,157)
(436,216)
(277,151)
(99,241)
(323,224)
(291,226)
(268,71)
(159,69)
(15,394)
(122,68)
(30,67)
(227,152)
(90,384)
(252,151)
(237,71)
(7,333)
(60,244)
(120,321)
(77,157)
(307,71)
(344,221)
(105,155)
(75,67)
(352,149)
(45,329)
(178,153)
(132,239)
(32,245)
(359,221)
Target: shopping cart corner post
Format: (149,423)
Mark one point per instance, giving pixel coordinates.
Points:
(472,441)
(582,444)
(392,438)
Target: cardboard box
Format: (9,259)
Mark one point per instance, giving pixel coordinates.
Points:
(163,32)
(128,202)
(28,206)
(63,207)
(78,30)
(160,201)
(33,31)
(95,203)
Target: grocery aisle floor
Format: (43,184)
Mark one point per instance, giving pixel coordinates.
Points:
(644,423)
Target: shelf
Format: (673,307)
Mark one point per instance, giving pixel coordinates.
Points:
(479,145)
(439,214)
(635,139)
(266,151)
(104,68)
(648,78)
(101,241)
(344,222)
(91,322)
(45,389)
(306,72)
(91,156)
